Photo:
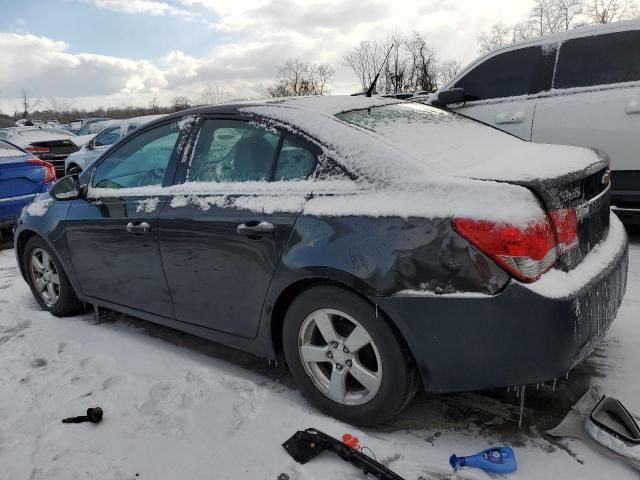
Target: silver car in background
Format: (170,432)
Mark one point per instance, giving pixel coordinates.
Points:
(113,131)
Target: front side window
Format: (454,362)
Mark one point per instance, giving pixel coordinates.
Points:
(108,137)
(142,161)
(599,60)
(233,151)
(525,71)
(132,127)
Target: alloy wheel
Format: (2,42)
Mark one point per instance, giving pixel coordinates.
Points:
(44,276)
(340,356)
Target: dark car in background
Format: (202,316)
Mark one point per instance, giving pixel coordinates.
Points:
(22,177)
(50,144)
(377,246)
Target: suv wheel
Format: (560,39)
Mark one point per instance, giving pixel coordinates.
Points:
(345,358)
(47,279)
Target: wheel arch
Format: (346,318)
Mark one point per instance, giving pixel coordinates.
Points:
(293,290)
(20,243)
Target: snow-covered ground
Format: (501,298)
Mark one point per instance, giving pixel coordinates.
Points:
(177,407)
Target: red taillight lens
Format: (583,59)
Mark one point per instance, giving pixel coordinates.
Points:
(524,252)
(49,170)
(565,222)
(37,150)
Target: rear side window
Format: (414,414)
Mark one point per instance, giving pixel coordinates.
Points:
(518,72)
(233,151)
(296,161)
(599,60)
(8,150)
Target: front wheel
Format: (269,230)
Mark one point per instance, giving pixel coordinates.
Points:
(47,279)
(346,358)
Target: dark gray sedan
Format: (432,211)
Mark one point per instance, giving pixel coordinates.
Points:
(374,245)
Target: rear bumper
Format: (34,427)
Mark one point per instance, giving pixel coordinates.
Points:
(526,334)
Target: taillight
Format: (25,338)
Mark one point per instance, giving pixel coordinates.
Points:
(565,223)
(526,252)
(49,170)
(37,150)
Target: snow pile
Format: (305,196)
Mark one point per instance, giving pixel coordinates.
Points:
(147,205)
(39,207)
(558,284)
(439,198)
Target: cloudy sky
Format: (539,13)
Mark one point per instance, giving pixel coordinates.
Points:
(121,52)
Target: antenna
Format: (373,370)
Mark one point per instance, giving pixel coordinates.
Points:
(375,80)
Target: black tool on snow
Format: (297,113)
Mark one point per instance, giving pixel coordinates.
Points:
(94,415)
(307,444)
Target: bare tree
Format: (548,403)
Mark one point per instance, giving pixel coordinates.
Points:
(180,102)
(60,105)
(568,12)
(211,95)
(154,105)
(607,11)
(298,77)
(423,64)
(499,36)
(448,70)
(29,103)
(365,60)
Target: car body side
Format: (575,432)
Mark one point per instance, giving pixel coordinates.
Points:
(378,259)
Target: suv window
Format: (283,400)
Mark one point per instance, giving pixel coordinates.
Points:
(141,161)
(518,72)
(108,136)
(233,151)
(296,160)
(599,60)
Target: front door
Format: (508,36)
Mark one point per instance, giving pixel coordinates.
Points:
(220,249)
(501,90)
(112,234)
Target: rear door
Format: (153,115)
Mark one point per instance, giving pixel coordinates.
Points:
(501,90)
(222,238)
(112,234)
(596,102)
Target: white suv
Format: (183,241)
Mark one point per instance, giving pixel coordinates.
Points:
(580,87)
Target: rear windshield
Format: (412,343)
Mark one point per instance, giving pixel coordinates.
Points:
(8,150)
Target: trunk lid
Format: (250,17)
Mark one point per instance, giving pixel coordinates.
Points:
(58,150)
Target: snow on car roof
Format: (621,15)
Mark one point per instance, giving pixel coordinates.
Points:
(406,142)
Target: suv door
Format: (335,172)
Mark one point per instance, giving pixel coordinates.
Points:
(112,233)
(221,239)
(500,91)
(596,103)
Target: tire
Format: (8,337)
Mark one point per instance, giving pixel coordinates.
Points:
(66,301)
(391,387)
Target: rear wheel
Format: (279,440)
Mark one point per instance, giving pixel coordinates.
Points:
(345,358)
(47,279)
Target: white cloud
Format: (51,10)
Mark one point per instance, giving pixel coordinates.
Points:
(252,38)
(148,7)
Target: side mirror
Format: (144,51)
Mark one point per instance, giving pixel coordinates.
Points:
(446,97)
(91,144)
(67,188)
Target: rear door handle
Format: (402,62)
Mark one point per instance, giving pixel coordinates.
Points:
(142,227)
(632,108)
(255,228)
(504,118)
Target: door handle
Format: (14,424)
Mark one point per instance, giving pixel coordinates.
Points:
(141,227)
(633,107)
(510,117)
(255,228)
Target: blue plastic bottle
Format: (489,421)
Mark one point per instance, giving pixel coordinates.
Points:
(494,460)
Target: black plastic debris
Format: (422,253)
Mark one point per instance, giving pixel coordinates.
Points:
(94,415)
